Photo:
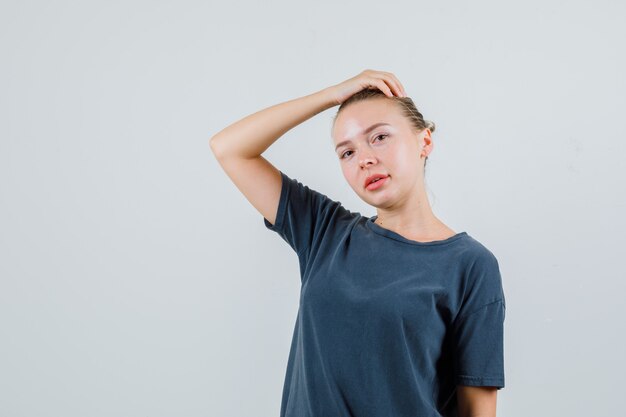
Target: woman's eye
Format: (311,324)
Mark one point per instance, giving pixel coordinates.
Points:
(383,136)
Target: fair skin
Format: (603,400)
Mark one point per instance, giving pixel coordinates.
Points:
(396,150)
(402,206)
(476,401)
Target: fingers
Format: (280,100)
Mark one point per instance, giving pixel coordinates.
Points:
(384,87)
(392,84)
(386,82)
(398,84)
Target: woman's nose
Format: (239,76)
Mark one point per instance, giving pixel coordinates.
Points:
(367,160)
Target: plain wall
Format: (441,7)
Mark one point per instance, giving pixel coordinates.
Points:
(136,280)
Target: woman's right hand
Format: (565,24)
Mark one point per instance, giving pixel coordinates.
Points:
(384,81)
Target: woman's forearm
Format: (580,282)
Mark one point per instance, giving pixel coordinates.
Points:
(252,135)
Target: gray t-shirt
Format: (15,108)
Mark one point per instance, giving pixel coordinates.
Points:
(386,326)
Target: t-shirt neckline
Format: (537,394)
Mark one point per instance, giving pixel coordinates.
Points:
(393,235)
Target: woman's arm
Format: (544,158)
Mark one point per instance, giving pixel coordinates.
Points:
(238,147)
(252,135)
(476,401)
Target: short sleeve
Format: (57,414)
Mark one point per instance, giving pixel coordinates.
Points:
(479,327)
(303,215)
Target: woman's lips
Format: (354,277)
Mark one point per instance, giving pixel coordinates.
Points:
(377,184)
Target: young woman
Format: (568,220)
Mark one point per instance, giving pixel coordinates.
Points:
(399,314)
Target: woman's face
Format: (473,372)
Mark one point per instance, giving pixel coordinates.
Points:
(373,137)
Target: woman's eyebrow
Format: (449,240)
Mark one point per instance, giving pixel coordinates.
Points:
(365,132)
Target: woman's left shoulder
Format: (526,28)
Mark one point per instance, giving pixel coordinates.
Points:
(480,264)
(474,250)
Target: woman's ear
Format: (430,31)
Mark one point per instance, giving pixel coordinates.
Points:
(426,142)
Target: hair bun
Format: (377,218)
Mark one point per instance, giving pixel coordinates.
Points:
(430,125)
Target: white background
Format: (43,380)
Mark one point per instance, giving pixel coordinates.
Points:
(136,280)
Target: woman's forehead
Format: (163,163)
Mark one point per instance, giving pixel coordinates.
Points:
(355,119)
